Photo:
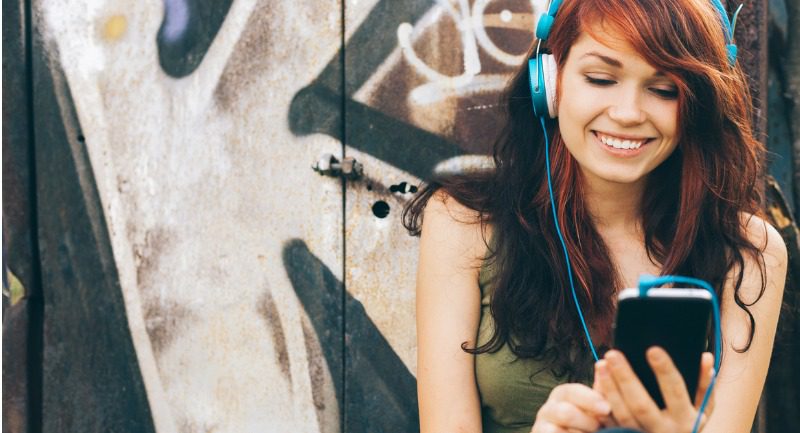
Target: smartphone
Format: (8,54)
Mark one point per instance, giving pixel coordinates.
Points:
(675,319)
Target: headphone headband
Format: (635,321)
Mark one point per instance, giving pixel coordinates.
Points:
(726,24)
(546,20)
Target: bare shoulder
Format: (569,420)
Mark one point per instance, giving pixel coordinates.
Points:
(446,209)
(769,242)
(766,238)
(452,229)
(749,321)
(441,204)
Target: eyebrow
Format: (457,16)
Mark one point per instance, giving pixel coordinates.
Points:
(608,60)
(613,62)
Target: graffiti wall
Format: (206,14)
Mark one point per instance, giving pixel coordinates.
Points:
(197,273)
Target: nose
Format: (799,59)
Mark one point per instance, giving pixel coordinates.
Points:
(627,110)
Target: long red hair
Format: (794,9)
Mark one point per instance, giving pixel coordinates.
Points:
(693,205)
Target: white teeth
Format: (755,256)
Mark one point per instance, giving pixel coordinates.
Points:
(620,144)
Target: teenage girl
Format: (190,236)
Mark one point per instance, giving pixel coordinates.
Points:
(654,171)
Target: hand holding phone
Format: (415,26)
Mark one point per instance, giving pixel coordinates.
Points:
(676,320)
(632,407)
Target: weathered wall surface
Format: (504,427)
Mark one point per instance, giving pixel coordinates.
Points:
(182,108)
(197,274)
(193,126)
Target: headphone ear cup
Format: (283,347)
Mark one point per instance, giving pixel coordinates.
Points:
(537,87)
(550,75)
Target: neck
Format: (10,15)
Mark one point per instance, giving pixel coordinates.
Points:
(614,206)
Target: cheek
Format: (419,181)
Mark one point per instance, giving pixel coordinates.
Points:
(579,102)
(666,121)
(573,121)
(665,116)
(574,117)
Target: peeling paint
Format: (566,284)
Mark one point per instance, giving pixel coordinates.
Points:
(148,254)
(163,320)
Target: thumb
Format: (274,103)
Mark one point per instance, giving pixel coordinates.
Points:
(704,381)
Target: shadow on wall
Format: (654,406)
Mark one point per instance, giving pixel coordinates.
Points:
(380,393)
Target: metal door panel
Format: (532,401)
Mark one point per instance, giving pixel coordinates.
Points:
(422,81)
(209,204)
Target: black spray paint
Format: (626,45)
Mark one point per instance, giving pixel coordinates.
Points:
(186,33)
(381,392)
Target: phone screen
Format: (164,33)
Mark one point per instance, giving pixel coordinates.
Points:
(678,323)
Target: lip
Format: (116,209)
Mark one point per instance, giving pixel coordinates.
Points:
(622,152)
(622,136)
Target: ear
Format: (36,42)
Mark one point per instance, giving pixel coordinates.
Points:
(550,73)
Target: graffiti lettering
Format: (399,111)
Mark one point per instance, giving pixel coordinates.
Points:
(471,24)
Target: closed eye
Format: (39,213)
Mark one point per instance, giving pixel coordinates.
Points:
(599,81)
(665,93)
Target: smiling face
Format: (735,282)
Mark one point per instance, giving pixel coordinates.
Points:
(617,114)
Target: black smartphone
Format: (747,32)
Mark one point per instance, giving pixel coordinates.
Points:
(674,319)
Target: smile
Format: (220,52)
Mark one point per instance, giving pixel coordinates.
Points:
(625,143)
(621,142)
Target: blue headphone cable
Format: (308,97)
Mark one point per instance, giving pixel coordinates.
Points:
(564,244)
(646,282)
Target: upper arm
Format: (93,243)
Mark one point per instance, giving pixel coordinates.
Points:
(448,314)
(742,375)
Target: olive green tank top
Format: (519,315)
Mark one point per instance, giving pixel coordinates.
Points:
(511,389)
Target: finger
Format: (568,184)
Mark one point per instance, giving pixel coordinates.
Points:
(547,427)
(605,384)
(636,398)
(706,373)
(670,381)
(703,420)
(608,421)
(600,386)
(583,397)
(566,415)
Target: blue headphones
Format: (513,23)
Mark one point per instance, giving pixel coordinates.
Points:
(542,73)
(542,70)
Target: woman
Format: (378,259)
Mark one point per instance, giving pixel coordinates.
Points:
(654,171)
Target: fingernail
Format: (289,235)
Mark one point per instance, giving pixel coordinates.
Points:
(612,357)
(656,355)
(600,368)
(602,408)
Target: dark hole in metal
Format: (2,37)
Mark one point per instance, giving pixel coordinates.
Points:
(380,209)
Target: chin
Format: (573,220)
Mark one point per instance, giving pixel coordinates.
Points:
(621,178)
